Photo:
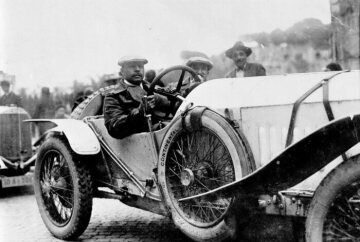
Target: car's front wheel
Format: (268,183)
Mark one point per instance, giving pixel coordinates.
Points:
(196,162)
(334,213)
(63,189)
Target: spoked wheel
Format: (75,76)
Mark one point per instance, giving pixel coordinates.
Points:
(199,162)
(57,187)
(63,190)
(334,213)
(196,162)
(343,218)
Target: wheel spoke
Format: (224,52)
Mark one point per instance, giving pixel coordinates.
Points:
(60,188)
(65,199)
(175,174)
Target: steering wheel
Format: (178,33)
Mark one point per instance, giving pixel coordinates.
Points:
(172,94)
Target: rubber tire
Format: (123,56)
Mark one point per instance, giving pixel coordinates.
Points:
(243,165)
(93,104)
(82,191)
(343,175)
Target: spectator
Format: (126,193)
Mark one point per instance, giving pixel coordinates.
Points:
(9,98)
(333,67)
(88,91)
(60,112)
(300,64)
(44,109)
(239,54)
(81,96)
(112,79)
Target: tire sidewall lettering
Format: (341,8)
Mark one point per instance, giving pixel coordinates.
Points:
(166,146)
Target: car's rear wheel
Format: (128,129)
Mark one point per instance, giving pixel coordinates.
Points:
(196,162)
(63,189)
(334,213)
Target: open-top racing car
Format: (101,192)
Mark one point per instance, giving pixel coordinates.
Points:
(232,145)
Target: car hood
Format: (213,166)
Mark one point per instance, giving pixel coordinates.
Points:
(272,90)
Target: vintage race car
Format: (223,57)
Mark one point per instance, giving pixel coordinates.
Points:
(16,151)
(233,147)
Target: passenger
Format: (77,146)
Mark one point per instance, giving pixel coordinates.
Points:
(201,66)
(124,107)
(150,75)
(333,67)
(239,54)
(9,98)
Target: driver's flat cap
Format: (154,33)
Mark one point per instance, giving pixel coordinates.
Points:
(131,59)
(199,59)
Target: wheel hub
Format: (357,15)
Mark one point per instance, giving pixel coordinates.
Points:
(60,183)
(187,177)
(46,187)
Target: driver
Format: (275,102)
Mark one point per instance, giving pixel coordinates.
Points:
(124,108)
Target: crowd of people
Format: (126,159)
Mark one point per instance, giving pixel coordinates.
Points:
(123,108)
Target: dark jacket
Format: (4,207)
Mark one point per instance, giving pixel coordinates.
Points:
(251,69)
(45,108)
(122,110)
(10,99)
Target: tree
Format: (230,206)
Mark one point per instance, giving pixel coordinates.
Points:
(277,37)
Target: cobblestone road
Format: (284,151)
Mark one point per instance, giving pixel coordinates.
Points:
(113,221)
(110,221)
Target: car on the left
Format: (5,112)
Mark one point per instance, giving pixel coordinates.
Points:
(17,156)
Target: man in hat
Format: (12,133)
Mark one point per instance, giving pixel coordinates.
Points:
(201,66)
(124,107)
(44,109)
(239,54)
(9,98)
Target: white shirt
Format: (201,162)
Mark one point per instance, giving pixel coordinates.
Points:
(132,85)
(240,73)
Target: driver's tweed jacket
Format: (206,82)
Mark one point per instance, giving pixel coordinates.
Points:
(123,112)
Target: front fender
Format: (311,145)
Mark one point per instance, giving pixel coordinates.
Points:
(81,138)
(298,161)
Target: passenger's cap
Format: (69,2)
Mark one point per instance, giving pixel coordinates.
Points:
(199,59)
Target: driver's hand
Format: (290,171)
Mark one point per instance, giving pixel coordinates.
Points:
(170,89)
(148,103)
(151,102)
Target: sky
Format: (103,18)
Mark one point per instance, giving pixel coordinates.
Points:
(53,42)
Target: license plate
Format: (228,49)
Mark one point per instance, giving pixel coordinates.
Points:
(15,181)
